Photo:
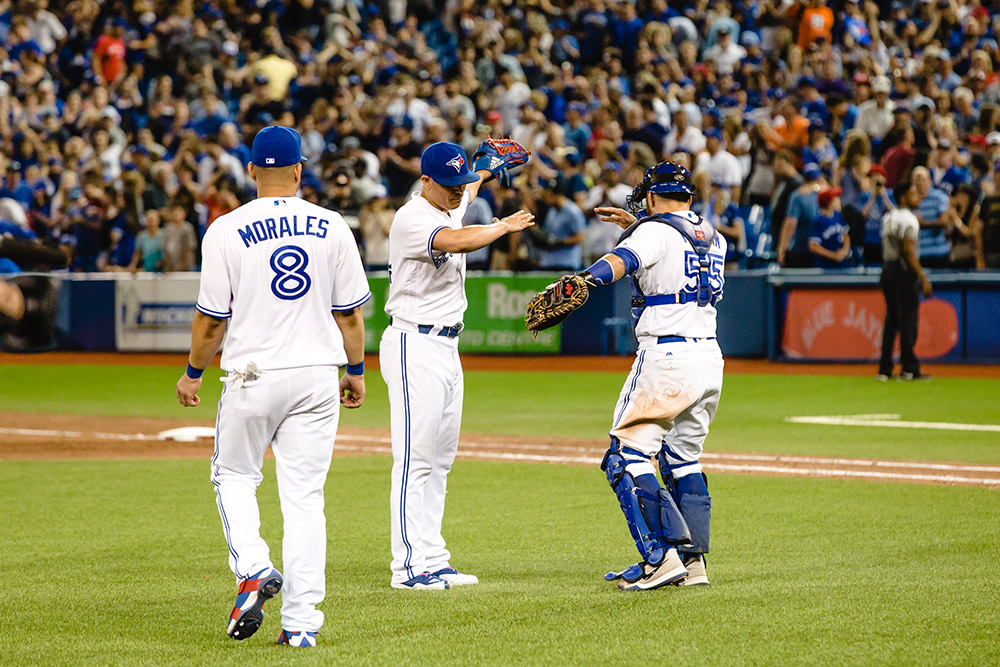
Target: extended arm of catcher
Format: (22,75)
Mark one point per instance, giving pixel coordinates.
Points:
(617,264)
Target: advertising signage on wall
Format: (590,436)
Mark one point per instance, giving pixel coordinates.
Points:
(156,313)
(494,321)
(846,324)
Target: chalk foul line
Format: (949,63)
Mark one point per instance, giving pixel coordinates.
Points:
(890,421)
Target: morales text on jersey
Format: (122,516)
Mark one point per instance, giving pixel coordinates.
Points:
(271,228)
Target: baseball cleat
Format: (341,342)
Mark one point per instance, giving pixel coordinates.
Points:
(697,575)
(649,576)
(248,613)
(425,581)
(883,377)
(456,578)
(908,377)
(300,639)
(632,572)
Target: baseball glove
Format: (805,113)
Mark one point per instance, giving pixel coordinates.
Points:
(559,299)
(499,156)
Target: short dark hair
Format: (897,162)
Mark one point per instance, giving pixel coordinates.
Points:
(901,190)
(678,196)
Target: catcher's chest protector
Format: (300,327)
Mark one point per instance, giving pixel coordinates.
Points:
(699,232)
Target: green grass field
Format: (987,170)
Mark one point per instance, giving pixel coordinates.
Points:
(124,562)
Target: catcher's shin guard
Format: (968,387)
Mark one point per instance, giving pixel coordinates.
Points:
(652,515)
(690,492)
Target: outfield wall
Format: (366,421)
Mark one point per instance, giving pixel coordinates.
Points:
(798,315)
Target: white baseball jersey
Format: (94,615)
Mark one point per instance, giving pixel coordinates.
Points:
(278,265)
(426,286)
(668,265)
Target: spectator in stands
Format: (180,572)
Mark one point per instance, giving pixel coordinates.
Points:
(967,234)
(683,136)
(787,182)
(877,201)
(714,203)
(148,254)
(109,52)
(898,160)
(816,24)
(16,189)
(725,53)
(376,220)
(179,241)
(937,219)
(875,116)
(989,215)
(803,209)
(723,167)
(830,239)
(945,174)
(562,248)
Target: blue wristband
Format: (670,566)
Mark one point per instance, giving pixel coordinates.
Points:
(356,369)
(194,373)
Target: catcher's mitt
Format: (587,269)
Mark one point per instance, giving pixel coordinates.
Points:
(499,156)
(559,299)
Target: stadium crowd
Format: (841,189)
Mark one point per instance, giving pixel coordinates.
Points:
(124,126)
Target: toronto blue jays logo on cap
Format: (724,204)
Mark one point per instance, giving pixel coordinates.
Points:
(445,163)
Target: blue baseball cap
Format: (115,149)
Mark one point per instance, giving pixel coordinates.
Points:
(276,146)
(447,164)
(811,171)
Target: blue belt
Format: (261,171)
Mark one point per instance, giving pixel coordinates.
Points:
(429,329)
(447,332)
(667,299)
(681,339)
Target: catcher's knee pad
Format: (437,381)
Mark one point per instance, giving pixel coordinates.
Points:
(690,492)
(652,515)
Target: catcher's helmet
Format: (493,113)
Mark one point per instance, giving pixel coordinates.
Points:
(664,178)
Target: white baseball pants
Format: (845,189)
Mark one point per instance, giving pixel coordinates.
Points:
(296,411)
(668,401)
(424,376)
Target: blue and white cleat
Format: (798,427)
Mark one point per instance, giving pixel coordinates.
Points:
(647,576)
(456,578)
(300,639)
(248,613)
(425,581)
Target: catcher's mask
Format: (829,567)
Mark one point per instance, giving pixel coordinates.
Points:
(664,178)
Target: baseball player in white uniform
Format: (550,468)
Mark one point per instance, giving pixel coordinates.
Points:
(277,267)
(419,357)
(675,260)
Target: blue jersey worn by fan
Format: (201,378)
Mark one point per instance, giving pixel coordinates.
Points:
(675,261)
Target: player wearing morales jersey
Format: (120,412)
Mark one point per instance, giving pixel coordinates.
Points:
(419,356)
(278,266)
(675,259)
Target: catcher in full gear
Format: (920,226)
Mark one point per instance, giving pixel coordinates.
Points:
(675,260)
